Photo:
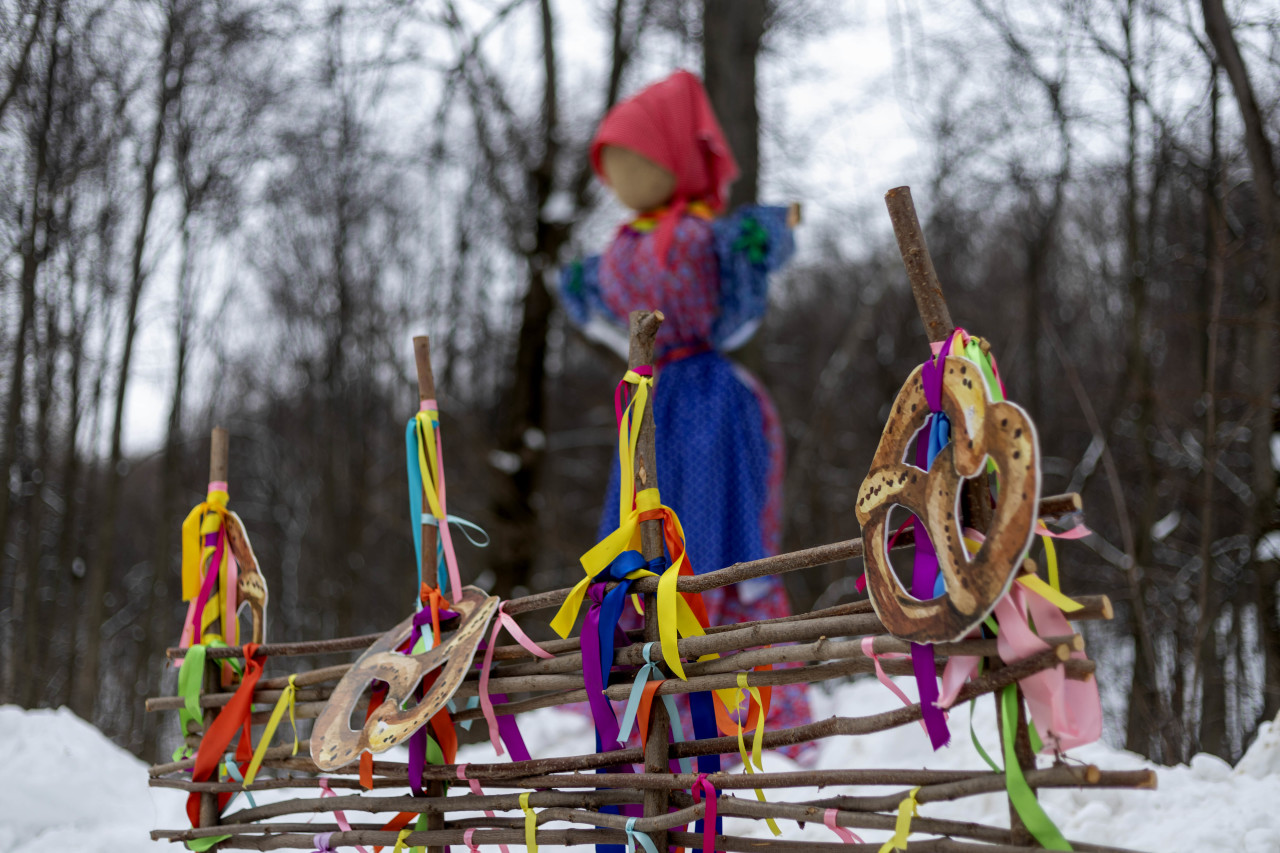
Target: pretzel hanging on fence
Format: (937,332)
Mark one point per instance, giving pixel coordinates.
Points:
(982,430)
(335,744)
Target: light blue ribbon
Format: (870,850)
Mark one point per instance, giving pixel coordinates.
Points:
(234,773)
(472,702)
(633,834)
(649,670)
(418,517)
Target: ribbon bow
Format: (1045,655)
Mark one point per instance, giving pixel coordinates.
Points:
(642,692)
(700,786)
(907,809)
(829,818)
(339,816)
(633,834)
(530,824)
(479,792)
(323,842)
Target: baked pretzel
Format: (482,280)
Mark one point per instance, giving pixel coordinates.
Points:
(335,744)
(251,586)
(980,429)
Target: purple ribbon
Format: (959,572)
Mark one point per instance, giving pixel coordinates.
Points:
(418,740)
(924,570)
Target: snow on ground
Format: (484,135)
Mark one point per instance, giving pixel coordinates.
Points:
(67,786)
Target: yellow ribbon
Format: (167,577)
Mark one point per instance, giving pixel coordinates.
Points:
(288,699)
(757,742)
(205,518)
(400,840)
(675,618)
(1051,561)
(428,464)
(530,825)
(1042,589)
(907,809)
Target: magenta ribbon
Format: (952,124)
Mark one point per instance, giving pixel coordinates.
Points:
(700,786)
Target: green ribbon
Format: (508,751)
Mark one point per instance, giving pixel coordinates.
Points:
(1024,800)
(420,824)
(202,844)
(190,681)
(752,240)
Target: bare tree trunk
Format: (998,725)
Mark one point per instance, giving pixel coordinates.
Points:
(732,32)
(18,72)
(1264,368)
(1208,657)
(85,690)
(1146,709)
(34,250)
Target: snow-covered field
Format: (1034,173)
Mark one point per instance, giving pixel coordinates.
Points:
(66,787)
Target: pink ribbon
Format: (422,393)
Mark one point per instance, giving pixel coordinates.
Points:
(475,789)
(1066,713)
(868,649)
(501,620)
(338,816)
(700,786)
(848,837)
(471,845)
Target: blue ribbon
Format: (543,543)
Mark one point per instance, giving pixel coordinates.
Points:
(633,834)
(416,490)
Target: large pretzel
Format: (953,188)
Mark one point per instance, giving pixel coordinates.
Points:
(980,429)
(335,744)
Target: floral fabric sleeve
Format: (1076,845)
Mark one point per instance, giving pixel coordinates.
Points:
(582,301)
(751,242)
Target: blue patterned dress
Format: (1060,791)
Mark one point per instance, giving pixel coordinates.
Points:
(719,442)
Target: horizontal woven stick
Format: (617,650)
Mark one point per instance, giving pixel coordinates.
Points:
(371,837)
(642,781)
(931,826)
(689,648)
(571,837)
(471,802)
(984,684)
(1079,669)
(1062,776)
(987,683)
(515,652)
(1054,506)
(309,647)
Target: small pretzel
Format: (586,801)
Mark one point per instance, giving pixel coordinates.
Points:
(335,744)
(251,586)
(980,429)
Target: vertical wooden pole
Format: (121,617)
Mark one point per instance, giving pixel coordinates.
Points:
(427,392)
(644,327)
(219,464)
(938,325)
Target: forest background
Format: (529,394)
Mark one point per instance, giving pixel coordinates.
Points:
(239,211)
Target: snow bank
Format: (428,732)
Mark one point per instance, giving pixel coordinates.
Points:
(66,787)
(1207,805)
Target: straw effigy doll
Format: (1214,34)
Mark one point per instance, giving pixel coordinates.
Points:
(719,440)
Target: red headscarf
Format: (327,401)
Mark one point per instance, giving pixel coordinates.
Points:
(671,123)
